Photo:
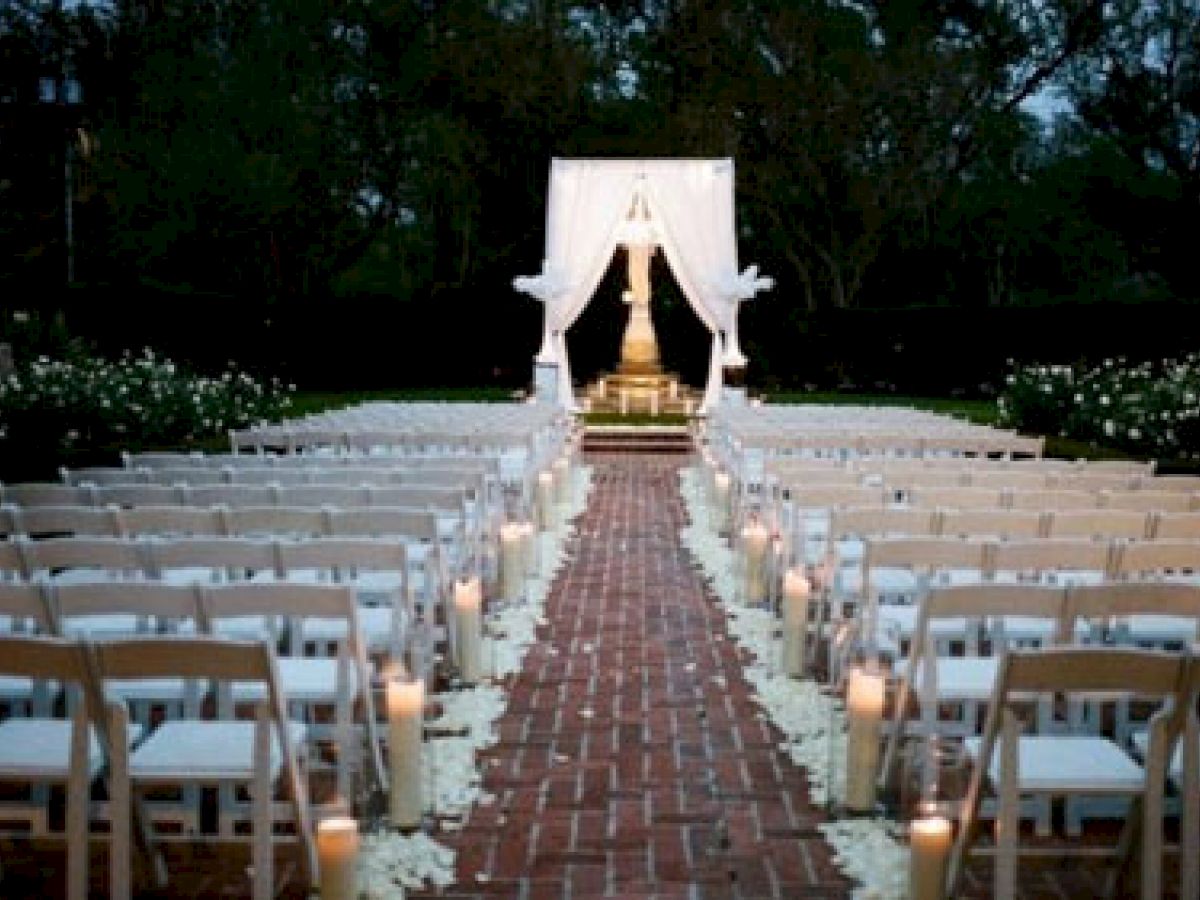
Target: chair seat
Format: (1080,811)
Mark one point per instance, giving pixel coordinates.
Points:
(901,621)
(90,626)
(14,687)
(40,749)
(374,622)
(1068,764)
(302,680)
(1162,629)
(204,751)
(959,677)
(162,690)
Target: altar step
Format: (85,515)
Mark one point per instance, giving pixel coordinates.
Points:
(641,439)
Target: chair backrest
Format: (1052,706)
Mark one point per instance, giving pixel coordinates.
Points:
(44,657)
(988,600)
(102,475)
(1047,555)
(1183,526)
(445,498)
(140,494)
(999,524)
(1148,501)
(190,476)
(1094,481)
(227,558)
(324,495)
(115,555)
(957,497)
(45,521)
(1090,670)
(1046,500)
(148,600)
(414,524)
(171,520)
(1187,484)
(344,555)
(830,496)
(1007,479)
(1159,557)
(278,521)
(924,554)
(280,476)
(232,495)
(878,521)
(26,602)
(49,494)
(1145,598)
(1099,524)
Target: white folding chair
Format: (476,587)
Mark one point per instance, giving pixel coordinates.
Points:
(40,751)
(1057,765)
(310,684)
(223,751)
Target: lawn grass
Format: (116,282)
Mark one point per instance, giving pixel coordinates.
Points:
(982,412)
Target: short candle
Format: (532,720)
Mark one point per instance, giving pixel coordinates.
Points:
(929,847)
(406,723)
(337,853)
(864,708)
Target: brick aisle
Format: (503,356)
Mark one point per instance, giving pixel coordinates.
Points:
(624,769)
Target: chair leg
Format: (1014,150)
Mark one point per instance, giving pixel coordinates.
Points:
(120,857)
(1189,841)
(263,850)
(78,801)
(1152,829)
(344,727)
(1008,816)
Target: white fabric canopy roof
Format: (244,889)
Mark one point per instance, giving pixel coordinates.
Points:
(690,203)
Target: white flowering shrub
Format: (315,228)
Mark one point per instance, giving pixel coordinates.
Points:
(137,401)
(1148,409)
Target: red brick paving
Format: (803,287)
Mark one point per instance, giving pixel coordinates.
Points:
(622,770)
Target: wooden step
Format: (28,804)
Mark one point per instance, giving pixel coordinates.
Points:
(630,439)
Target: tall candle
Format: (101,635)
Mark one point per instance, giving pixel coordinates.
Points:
(755,539)
(512,560)
(795,621)
(406,713)
(864,709)
(545,500)
(468,628)
(337,853)
(929,847)
(561,469)
(721,500)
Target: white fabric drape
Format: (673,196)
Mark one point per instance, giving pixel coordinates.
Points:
(691,207)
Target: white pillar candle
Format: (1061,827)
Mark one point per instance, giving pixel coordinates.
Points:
(795,621)
(601,387)
(468,628)
(674,390)
(561,470)
(864,709)
(337,852)
(654,403)
(755,540)
(587,404)
(929,847)
(406,715)
(721,486)
(624,401)
(687,406)
(512,560)
(545,500)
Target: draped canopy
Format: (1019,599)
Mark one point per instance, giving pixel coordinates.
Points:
(690,206)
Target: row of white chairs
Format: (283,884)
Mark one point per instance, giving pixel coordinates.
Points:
(1005,524)
(1011,477)
(397,583)
(98,742)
